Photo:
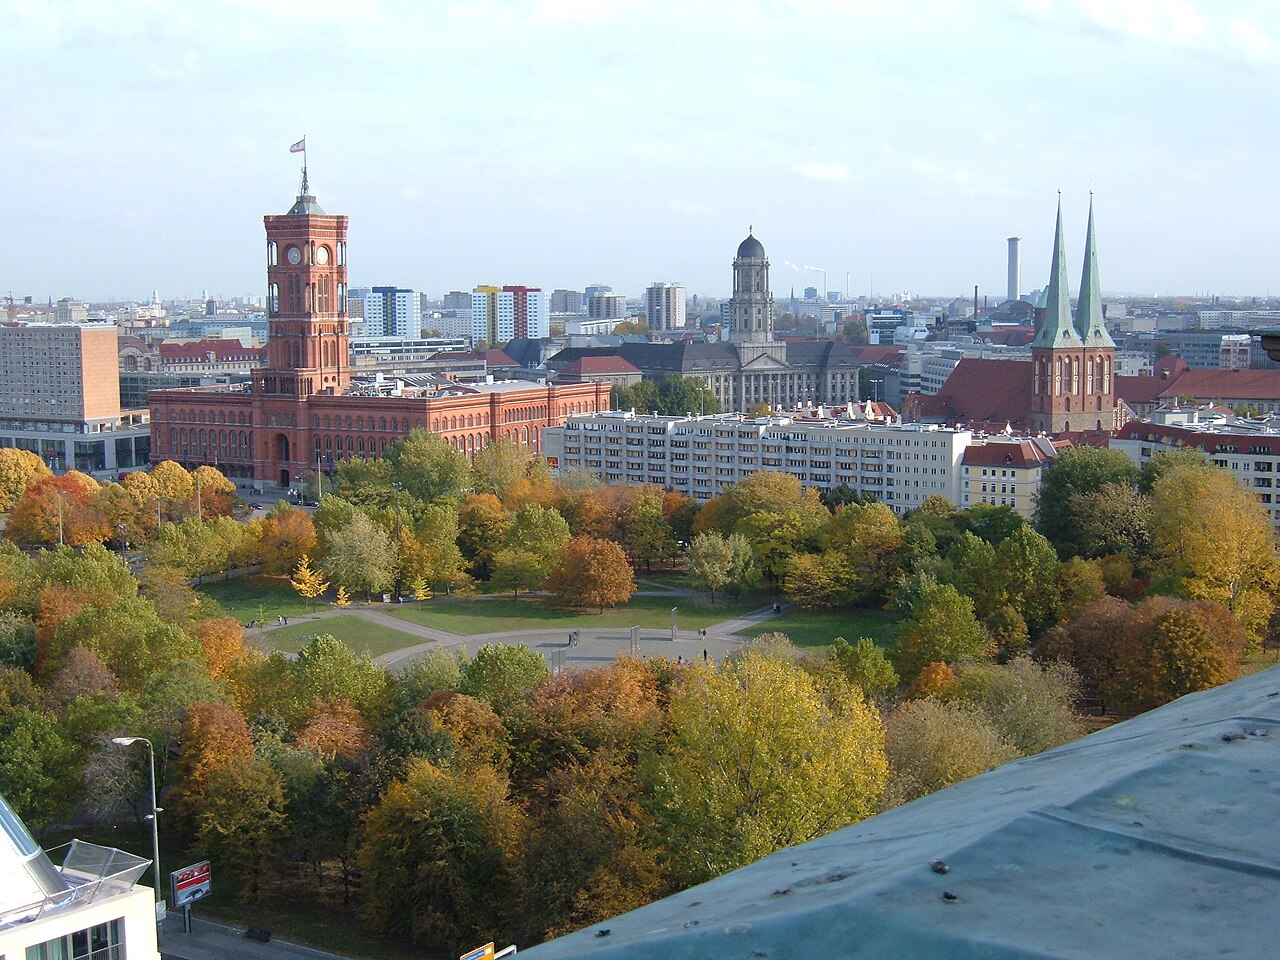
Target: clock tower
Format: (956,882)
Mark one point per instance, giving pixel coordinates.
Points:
(306,302)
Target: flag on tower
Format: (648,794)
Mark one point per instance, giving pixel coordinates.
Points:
(299,147)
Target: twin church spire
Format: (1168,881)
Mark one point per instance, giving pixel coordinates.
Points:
(1059,328)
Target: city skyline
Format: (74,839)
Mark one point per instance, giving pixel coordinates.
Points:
(903,144)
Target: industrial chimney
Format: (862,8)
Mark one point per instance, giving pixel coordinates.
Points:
(1015,269)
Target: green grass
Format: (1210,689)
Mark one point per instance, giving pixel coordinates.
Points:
(361,635)
(666,578)
(816,630)
(536,613)
(252,598)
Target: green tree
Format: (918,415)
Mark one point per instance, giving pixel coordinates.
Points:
(361,556)
(941,628)
(38,766)
(670,395)
(649,535)
(864,665)
(760,758)
(327,671)
(515,569)
(1075,472)
(428,467)
(971,569)
(483,523)
(502,675)
(1026,574)
(539,530)
(499,465)
(709,559)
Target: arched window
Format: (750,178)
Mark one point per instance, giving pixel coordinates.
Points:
(1057,377)
(382,423)
(1075,375)
(360,445)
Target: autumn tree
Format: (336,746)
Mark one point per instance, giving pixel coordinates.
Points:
(1213,538)
(1075,472)
(483,523)
(497,466)
(932,744)
(448,845)
(286,536)
(502,675)
(222,641)
(864,665)
(19,469)
(334,730)
(239,820)
(759,758)
(307,582)
(1030,705)
(59,510)
(592,573)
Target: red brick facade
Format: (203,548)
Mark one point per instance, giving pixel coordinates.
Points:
(298,414)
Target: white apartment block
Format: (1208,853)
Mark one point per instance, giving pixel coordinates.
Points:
(1006,472)
(502,314)
(1237,319)
(392,312)
(1248,448)
(900,464)
(665,306)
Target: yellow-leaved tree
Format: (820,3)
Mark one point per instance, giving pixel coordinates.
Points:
(759,756)
(308,582)
(1214,538)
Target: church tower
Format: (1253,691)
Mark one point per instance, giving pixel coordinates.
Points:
(1057,353)
(1098,399)
(306,302)
(751,312)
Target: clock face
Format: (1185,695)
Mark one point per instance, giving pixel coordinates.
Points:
(322,255)
(294,255)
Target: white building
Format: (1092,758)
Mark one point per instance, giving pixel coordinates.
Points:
(511,312)
(392,312)
(76,901)
(665,306)
(1237,319)
(1006,471)
(1248,448)
(899,464)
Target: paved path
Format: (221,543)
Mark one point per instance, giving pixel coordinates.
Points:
(595,645)
(218,941)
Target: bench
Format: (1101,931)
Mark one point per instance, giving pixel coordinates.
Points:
(258,935)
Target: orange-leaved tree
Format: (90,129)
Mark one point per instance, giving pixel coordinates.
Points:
(592,573)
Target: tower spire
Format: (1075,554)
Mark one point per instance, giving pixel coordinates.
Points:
(1057,330)
(1089,320)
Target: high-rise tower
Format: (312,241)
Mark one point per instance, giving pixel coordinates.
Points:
(751,307)
(306,302)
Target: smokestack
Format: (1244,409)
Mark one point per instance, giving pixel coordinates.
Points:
(975,301)
(1015,269)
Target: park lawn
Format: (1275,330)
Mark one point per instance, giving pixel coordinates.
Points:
(815,631)
(473,617)
(356,632)
(254,598)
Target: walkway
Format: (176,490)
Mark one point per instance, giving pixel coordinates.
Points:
(219,941)
(593,647)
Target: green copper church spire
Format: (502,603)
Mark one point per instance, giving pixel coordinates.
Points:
(1057,330)
(1089,308)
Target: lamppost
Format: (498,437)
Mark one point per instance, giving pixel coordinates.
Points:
(155,819)
(675,614)
(396,487)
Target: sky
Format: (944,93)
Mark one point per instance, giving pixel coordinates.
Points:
(559,143)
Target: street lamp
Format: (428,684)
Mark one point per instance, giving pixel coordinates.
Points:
(155,819)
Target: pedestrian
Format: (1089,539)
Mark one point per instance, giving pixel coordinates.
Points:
(286,620)
(680,659)
(704,654)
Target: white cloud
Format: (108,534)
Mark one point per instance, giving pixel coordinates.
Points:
(820,170)
(1252,41)
(1155,21)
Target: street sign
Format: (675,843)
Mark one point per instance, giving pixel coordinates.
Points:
(191,883)
(479,953)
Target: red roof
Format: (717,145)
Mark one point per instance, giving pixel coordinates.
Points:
(1009,336)
(1005,453)
(497,358)
(982,391)
(1170,368)
(1225,385)
(1209,442)
(885,353)
(599,365)
(1137,390)
(197,351)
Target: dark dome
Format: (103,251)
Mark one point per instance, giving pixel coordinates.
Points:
(751,249)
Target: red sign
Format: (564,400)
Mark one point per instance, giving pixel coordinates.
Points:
(191,883)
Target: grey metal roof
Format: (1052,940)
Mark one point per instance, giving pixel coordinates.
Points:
(751,249)
(306,203)
(1153,838)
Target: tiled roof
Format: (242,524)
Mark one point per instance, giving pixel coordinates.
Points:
(1005,453)
(599,365)
(1210,441)
(985,391)
(1134,390)
(1225,384)
(197,351)
(497,358)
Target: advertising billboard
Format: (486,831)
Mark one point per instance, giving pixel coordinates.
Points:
(191,883)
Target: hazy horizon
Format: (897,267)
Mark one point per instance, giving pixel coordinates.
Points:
(559,143)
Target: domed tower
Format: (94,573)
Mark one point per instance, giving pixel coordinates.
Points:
(751,307)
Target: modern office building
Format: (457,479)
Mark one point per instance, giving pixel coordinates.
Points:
(665,306)
(606,306)
(60,397)
(511,312)
(79,901)
(392,312)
